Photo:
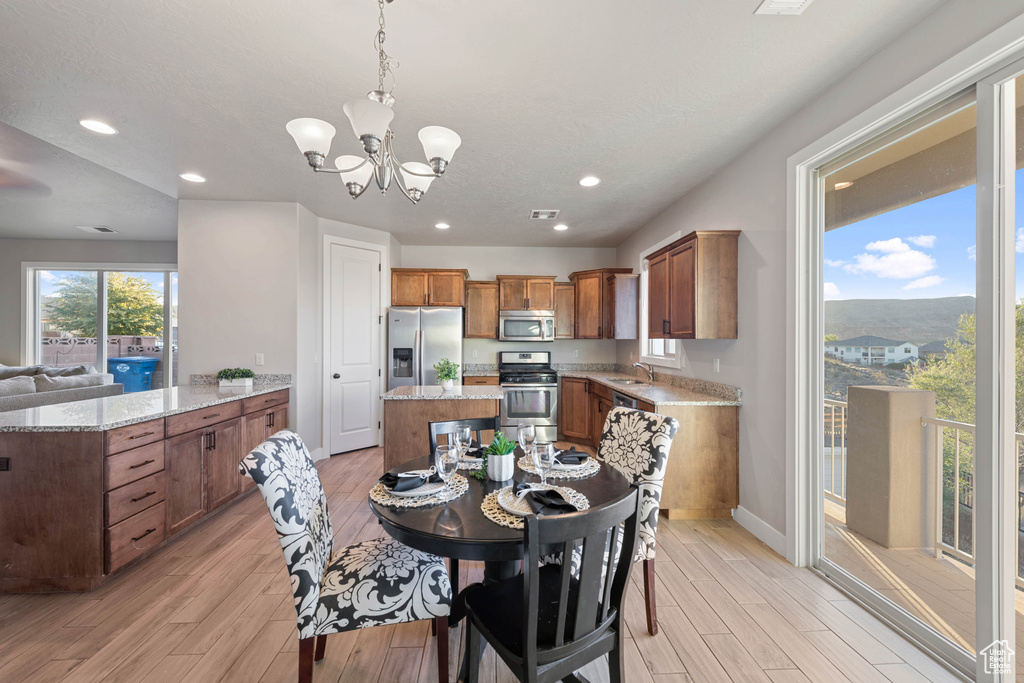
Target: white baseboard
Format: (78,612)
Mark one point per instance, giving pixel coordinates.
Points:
(775,539)
(318,454)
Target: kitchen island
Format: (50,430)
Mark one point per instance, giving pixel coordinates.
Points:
(409,410)
(90,487)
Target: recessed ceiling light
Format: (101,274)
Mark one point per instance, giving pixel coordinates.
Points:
(102,229)
(561,226)
(192,177)
(843,185)
(442,226)
(98,127)
(589,181)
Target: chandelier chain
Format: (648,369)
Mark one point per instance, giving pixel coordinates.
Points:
(385,60)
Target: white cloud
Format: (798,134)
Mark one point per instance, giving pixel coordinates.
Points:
(920,283)
(1020,240)
(834,263)
(926,241)
(831,291)
(897,265)
(972,251)
(47,276)
(893,246)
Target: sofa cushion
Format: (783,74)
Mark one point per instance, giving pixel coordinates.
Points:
(69,371)
(15,386)
(8,371)
(46,383)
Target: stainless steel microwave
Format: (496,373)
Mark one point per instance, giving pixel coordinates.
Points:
(525,326)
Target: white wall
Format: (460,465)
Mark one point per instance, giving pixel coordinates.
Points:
(486,263)
(750,194)
(14,252)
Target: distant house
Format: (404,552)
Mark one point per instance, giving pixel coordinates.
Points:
(934,349)
(870,350)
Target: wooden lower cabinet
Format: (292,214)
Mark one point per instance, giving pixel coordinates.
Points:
(574,407)
(480,380)
(256,428)
(223,451)
(183,462)
(601,407)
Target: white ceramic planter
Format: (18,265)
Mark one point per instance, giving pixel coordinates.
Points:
(501,467)
(447,384)
(244,383)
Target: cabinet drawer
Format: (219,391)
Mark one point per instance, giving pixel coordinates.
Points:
(644,405)
(133,436)
(197,419)
(135,497)
(134,536)
(254,403)
(137,463)
(600,390)
(480,380)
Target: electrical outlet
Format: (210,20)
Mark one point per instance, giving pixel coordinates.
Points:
(575,353)
(259,359)
(632,355)
(717,365)
(474,353)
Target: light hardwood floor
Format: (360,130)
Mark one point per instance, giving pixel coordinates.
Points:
(214,605)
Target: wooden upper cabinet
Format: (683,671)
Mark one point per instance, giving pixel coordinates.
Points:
(565,310)
(692,287)
(526,293)
(427,287)
(481,310)
(620,307)
(595,313)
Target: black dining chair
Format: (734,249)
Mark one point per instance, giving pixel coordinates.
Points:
(548,622)
(477,426)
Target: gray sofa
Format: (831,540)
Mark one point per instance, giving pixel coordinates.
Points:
(41,385)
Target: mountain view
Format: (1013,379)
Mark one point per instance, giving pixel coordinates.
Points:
(915,320)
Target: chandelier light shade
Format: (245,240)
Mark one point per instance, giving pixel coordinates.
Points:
(371,120)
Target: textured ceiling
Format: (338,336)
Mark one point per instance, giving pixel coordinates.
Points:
(651,96)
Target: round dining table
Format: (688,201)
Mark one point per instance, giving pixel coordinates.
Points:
(460,530)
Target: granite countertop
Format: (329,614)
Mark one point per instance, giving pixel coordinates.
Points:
(480,373)
(101,414)
(692,392)
(434,392)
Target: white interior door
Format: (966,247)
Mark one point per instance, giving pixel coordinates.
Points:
(354,348)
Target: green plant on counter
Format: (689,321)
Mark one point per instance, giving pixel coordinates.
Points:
(500,445)
(446,369)
(235,373)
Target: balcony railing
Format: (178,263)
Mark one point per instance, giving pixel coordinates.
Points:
(951,446)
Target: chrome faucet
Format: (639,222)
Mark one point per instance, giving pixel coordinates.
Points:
(648,368)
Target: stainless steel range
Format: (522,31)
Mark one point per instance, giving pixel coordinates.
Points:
(529,388)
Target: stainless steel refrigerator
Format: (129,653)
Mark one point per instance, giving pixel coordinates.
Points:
(418,337)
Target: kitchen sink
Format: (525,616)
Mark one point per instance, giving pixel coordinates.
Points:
(617,380)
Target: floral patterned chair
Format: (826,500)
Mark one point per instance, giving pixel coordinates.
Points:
(371,583)
(636,444)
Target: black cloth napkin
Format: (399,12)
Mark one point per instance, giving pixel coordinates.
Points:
(571,456)
(397,483)
(545,502)
(474,445)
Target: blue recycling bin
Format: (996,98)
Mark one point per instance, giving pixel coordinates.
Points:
(134,372)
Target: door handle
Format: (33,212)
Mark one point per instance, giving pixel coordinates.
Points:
(664,327)
(336,376)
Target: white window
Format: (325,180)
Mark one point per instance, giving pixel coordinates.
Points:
(664,352)
(906,349)
(892,349)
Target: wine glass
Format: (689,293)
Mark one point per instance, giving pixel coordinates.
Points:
(461,437)
(543,456)
(527,436)
(446,461)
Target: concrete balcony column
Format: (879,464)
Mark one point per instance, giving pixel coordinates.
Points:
(889,496)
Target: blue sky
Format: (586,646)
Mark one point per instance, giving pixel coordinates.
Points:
(922,251)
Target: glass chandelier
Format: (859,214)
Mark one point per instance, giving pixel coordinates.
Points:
(370,119)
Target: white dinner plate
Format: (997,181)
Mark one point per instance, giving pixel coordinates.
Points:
(425,490)
(570,468)
(518,506)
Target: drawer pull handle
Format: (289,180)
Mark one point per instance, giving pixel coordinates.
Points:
(269,400)
(139,538)
(141,464)
(141,436)
(151,493)
(210,417)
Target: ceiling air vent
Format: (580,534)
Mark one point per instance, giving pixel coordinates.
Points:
(544,214)
(783,7)
(96,228)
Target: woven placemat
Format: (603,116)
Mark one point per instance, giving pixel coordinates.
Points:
(591,468)
(493,511)
(382,496)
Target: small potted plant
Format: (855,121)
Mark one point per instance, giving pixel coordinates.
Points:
(236,377)
(499,458)
(447,373)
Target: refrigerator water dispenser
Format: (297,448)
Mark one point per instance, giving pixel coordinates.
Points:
(401,363)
